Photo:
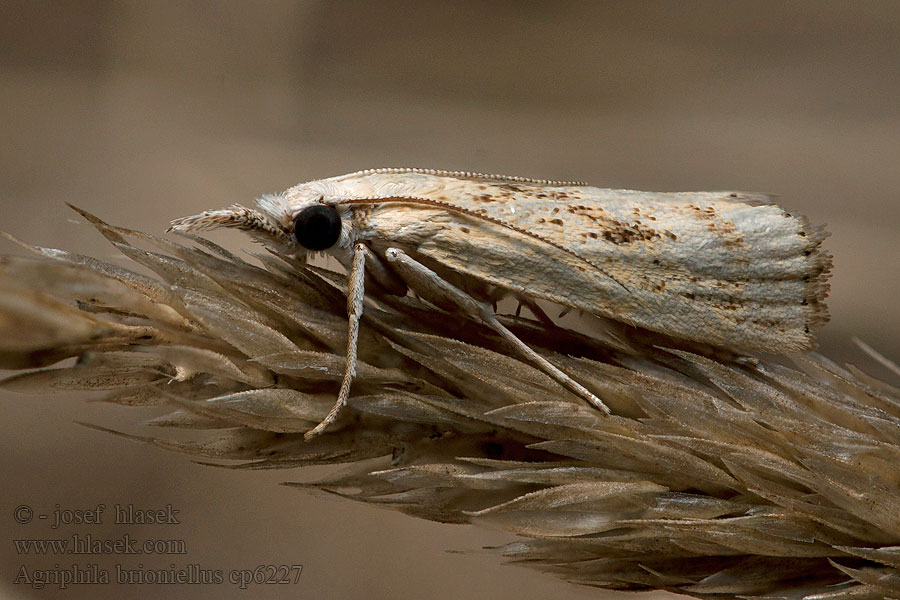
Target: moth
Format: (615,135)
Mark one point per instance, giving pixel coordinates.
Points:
(730,269)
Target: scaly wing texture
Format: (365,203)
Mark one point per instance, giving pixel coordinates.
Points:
(724,268)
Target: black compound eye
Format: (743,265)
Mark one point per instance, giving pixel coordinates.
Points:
(317,227)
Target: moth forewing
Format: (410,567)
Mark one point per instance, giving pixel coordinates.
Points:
(724,268)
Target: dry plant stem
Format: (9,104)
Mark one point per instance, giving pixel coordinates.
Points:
(715,476)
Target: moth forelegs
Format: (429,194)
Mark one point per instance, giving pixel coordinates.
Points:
(355,297)
(427,284)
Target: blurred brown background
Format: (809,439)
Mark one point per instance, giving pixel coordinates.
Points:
(145,111)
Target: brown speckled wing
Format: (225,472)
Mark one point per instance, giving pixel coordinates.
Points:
(726,268)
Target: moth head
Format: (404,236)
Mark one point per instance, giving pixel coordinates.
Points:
(295,222)
(318,227)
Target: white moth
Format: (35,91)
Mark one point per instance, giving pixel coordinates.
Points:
(729,269)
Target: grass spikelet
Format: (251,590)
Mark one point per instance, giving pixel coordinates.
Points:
(717,476)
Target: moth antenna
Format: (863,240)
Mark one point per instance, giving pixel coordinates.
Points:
(483,217)
(464,175)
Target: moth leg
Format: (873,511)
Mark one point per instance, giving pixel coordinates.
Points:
(536,310)
(431,287)
(380,275)
(355,296)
